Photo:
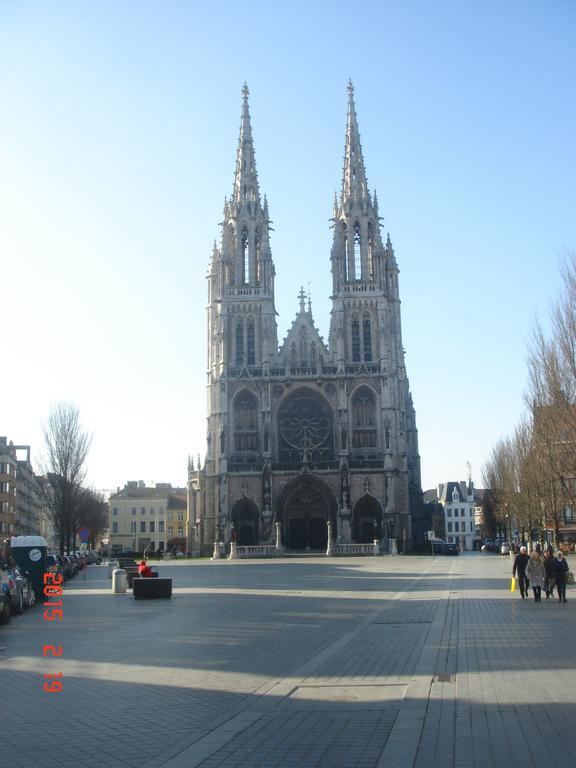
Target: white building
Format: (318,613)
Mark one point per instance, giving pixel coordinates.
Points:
(457,500)
(144,516)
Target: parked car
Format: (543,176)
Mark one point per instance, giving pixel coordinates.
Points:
(5,599)
(505,548)
(21,591)
(75,562)
(54,565)
(92,557)
(437,546)
(450,549)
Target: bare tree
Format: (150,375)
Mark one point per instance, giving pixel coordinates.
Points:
(551,396)
(92,513)
(66,448)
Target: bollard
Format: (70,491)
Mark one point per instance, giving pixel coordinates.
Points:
(119,581)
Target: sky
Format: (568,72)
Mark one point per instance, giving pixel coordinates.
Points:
(118,135)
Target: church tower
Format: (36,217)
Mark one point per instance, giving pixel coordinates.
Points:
(310,444)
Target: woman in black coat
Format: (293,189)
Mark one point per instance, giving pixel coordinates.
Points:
(560,574)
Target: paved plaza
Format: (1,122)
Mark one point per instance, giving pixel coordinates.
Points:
(340,663)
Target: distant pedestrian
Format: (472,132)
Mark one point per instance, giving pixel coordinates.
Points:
(536,574)
(550,581)
(560,574)
(519,570)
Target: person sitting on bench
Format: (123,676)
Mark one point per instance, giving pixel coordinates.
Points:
(144,570)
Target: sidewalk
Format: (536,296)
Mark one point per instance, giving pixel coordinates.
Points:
(366,662)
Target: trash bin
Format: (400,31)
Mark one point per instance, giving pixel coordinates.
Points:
(119,581)
(30,555)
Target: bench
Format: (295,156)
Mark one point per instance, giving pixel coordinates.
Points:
(143,588)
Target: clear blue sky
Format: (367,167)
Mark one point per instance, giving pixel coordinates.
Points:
(117,146)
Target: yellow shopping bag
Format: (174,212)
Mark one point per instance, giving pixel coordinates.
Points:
(513,585)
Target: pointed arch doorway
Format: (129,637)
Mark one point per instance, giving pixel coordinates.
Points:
(367,520)
(305,508)
(245,518)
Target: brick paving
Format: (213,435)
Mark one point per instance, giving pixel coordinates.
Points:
(366,662)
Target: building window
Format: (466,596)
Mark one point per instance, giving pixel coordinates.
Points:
(449,512)
(449,527)
(133,510)
(142,510)
(367,338)
(355,340)
(180,517)
(239,342)
(132,526)
(245,423)
(161,511)
(114,510)
(160,526)
(152,530)
(245,257)
(180,531)
(170,530)
(456,526)
(114,527)
(357,253)
(142,526)
(251,343)
(364,435)
(370,252)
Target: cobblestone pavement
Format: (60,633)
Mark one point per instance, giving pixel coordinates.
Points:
(312,662)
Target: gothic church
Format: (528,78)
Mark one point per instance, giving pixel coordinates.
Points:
(305,434)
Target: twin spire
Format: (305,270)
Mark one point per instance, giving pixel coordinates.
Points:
(354,184)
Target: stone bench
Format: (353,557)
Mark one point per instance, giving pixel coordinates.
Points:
(143,588)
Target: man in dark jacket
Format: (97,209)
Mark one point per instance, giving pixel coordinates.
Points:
(519,569)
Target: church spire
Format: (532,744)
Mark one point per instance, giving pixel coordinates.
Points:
(245,178)
(354,184)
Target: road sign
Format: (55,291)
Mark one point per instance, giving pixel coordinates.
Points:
(84,535)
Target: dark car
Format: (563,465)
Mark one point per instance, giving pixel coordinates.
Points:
(438,546)
(450,549)
(67,567)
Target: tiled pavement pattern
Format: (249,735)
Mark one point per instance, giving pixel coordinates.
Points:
(312,663)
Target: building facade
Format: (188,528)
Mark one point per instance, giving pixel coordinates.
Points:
(147,517)
(20,503)
(459,505)
(306,432)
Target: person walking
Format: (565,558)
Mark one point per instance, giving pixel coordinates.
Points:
(536,574)
(560,574)
(550,581)
(519,569)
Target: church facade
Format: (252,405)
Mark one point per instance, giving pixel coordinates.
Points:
(305,433)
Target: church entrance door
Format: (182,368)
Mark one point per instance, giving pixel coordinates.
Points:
(306,509)
(367,520)
(245,518)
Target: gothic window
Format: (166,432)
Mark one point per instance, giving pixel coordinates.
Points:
(313,352)
(245,257)
(293,354)
(345,251)
(239,342)
(370,252)
(357,253)
(364,420)
(367,338)
(251,343)
(258,265)
(245,423)
(355,340)
(305,428)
